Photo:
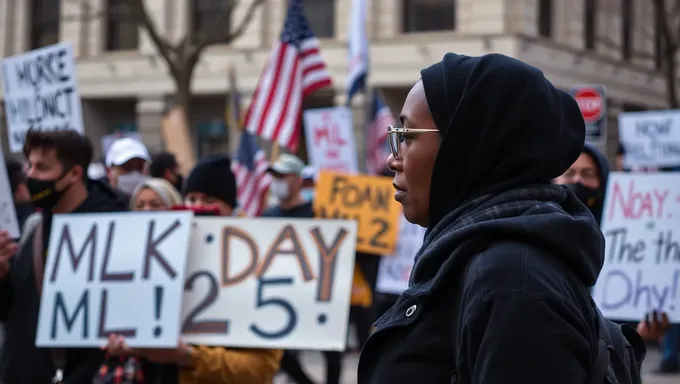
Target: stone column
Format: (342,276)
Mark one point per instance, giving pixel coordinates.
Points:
(150,112)
(95,124)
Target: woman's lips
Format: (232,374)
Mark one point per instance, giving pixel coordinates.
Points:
(399,193)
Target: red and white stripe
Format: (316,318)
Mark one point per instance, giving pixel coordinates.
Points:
(252,187)
(290,75)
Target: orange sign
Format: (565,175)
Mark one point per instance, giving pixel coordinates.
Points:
(367,199)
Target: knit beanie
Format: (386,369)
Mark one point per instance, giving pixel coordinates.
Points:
(213,177)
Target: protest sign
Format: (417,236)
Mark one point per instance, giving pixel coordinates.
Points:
(651,139)
(367,199)
(8,216)
(394,271)
(41,93)
(642,255)
(117,273)
(269,283)
(330,139)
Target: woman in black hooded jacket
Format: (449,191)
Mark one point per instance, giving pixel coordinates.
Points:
(499,289)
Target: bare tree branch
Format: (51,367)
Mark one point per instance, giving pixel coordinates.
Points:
(164,48)
(215,33)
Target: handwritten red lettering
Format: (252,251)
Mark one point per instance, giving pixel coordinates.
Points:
(636,204)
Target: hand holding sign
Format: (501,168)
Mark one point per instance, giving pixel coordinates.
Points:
(367,199)
(7,250)
(8,216)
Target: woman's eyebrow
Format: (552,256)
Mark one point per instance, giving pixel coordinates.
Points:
(402,118)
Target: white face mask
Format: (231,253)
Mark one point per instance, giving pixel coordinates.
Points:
(280,189)
(129,181)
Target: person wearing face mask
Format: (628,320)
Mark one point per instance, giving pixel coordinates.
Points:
(308,183)
(127,162)
(164,165)
(587,178)
(57,181)
(20,193)
(286,187)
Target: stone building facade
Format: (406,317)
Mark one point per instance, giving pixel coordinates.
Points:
(124,83)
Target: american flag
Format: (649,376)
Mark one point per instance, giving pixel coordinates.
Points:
(252,179)
(250,165)
(295,70)
(377,145)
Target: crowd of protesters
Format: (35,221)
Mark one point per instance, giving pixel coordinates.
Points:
(497,267)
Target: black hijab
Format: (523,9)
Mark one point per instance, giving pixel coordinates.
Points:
(503,126)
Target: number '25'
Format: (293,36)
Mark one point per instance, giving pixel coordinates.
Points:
(192,325)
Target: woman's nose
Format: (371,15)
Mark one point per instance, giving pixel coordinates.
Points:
(393,164)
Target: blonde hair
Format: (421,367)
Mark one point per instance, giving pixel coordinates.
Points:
(168,193)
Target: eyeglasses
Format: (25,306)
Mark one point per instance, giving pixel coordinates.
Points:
(397,135)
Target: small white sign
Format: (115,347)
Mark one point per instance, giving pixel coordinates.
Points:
(641,269)
(651,139)
(269,283)
(395,269)
(8,215)
(41,93)
(117,273)
(330,140)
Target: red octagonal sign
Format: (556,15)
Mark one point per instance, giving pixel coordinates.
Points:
(590,101)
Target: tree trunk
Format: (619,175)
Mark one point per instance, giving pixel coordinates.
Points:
(177,132)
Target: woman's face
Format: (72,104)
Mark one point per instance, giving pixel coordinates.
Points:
(418,151)
(148,200)
(201,200)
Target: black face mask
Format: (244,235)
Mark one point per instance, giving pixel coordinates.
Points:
(44,193)
(591,198)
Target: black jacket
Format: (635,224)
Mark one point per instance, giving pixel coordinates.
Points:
(21,361)
(521,312)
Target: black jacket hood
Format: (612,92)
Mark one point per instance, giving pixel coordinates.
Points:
(503,126)
(506,133)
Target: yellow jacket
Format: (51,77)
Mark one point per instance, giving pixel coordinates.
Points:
(213,365)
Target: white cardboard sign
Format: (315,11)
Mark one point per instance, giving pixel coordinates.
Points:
(395,269)
(330,140)
(41,93)
(269,283)
(8,215)
(641,270)
(114,273)
(651,139)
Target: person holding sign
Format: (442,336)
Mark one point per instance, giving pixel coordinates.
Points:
(499,289)
(211,186)
(57,181)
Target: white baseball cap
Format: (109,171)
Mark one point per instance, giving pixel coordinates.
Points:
(287,164)
(124,150)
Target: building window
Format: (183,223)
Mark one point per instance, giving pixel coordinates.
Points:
(321,16)
(627,29)
(45,15)
(206,14)
(429,15)
(545,16)
(590,24)
(122,31)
